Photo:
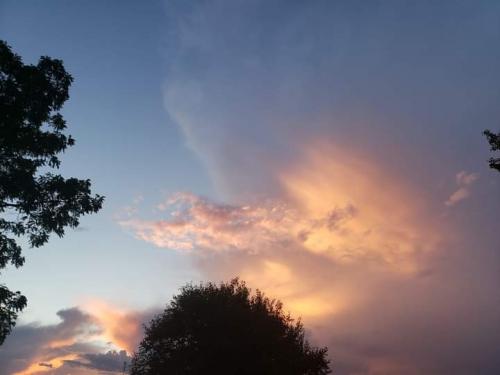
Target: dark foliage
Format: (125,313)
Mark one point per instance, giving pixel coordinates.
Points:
(494,141)
(33,204)
(225,329)
(10,304)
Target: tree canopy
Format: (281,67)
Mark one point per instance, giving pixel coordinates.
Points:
(34,202)
(226,329)
(494,141)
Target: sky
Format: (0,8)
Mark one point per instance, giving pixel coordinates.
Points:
(329,153)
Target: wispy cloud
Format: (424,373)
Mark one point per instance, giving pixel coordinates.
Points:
(464,182)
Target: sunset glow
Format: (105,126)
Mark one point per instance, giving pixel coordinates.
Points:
(329,154)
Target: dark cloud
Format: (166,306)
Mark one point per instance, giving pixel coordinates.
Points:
(110,361)
(43,364)
(74,345)
(30,343)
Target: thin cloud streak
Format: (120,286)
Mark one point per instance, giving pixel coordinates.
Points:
(464,182)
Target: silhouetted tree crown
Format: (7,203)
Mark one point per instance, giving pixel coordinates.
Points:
(494,141)
(33,204)
(226,330)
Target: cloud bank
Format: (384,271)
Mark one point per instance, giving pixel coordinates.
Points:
(82,343)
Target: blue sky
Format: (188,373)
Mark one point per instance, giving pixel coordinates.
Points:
(126,144)
(329,152)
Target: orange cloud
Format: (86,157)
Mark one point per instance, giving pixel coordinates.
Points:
(122,328)
(335,204)
(340,220)
(80,343)
(47,365)
(279,279)
(362,211)
(48,347)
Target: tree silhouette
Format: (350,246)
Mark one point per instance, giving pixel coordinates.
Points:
(494,141)
(33,204)
(225,329)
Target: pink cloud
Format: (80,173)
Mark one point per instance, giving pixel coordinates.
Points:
(365,215)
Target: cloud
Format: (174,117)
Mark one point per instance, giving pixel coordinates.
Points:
(346,239)
(31,345)
(111,361)
(376,318)
(341,221)
(464,181)
(86,343)
(195,222)
(121,327)
(320,125)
